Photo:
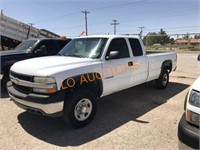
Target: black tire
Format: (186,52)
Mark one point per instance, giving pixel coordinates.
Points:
(163,79)
(4,81)
(79,108)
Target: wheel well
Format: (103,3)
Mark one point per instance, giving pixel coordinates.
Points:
(167,64)
(90,81)
(5,69)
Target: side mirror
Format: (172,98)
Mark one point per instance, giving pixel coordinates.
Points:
(198,58)
(42,50)
(113,55)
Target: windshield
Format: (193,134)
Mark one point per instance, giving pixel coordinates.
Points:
(26,45)
(84,47)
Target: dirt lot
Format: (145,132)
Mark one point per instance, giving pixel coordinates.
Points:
(142,117)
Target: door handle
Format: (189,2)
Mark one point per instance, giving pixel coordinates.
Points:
(130,63)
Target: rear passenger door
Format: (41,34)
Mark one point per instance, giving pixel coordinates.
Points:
(140,62)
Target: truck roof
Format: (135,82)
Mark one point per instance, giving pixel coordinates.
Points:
(40,39)
(107,36)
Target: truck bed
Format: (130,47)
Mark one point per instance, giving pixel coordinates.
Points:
(155,60)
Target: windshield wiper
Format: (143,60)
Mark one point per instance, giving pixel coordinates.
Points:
(74,55)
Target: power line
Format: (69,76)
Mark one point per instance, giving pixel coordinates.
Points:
(57,17)
(115,23)
(102,8)
(153,13)
(69,27)
(157,17)
(97,8)
(117,5)
(175,34)
(86,29)
(177,27)
(175,14)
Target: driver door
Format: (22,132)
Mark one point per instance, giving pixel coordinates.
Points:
(116,75)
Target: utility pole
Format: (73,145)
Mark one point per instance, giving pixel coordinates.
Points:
(115,23)
(29,28)
(146,42)
(141,31)
(86,29)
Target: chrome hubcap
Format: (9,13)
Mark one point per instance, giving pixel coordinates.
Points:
(164,82)
(83,109)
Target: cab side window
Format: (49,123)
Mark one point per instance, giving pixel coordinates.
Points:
(136,47)
(50,46)
(119,44)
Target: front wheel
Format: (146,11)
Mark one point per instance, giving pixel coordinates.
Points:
(80,108)
(163,80)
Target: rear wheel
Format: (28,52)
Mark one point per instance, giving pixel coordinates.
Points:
(80,108)
(163,80)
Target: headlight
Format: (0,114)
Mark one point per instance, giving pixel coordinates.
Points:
(194,98)
(45,80)
(193,118)
(48,83)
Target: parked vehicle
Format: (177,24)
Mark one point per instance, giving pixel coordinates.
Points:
(13,32)
(87,69)
(28,49)
(188,128)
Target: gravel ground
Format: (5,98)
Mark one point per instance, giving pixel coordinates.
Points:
(141,117)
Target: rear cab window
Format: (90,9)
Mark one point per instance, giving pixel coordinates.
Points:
(136,47)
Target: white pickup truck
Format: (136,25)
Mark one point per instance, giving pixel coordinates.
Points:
(188,127)
(85,70)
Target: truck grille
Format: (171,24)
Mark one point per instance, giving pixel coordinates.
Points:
(20,88)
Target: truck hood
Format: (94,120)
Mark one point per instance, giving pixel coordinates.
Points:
(196,84)
(11,52)
(49,65)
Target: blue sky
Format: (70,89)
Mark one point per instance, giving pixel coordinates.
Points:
(65,18)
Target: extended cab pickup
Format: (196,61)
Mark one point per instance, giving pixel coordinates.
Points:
(28,49)
(86,69)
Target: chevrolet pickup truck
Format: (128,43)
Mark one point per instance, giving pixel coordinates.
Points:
(85,70)
(28,49)
(188,128)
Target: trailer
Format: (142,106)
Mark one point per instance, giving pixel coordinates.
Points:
(13,32)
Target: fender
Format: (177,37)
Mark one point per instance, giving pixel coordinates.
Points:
(92,81)
(167,64)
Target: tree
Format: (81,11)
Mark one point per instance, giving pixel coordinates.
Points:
(186,36)
(153,37)
(150,39)
(163,38)
(197,36)
(171,40)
